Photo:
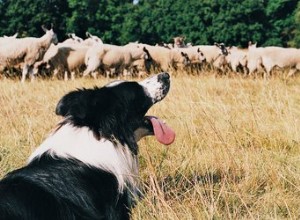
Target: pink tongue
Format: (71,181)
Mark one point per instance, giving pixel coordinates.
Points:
(162,132)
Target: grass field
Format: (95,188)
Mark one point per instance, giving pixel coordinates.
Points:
(236,154)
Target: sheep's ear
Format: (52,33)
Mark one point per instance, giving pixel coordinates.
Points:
(73,104)
(44,28)
(88,34)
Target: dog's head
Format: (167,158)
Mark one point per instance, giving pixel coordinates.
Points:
(117,111)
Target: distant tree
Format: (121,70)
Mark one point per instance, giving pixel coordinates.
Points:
(235,22)
(295,42)
(281,22)
(201,22)
(100,17)
(27,17)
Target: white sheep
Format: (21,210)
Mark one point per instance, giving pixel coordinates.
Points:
(195,56)
(237,57)
(73,39)
(7,39)
(164,59)
(26,50)
(91,40)
(270,57)
(215,54)
(64,59)
(113,59)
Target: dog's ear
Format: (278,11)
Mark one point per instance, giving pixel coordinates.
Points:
(73,104)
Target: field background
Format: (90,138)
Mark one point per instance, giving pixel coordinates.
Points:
(236,154)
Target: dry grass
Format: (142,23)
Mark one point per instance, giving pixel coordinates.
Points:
(236,154)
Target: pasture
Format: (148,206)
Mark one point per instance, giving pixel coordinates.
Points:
(236,153)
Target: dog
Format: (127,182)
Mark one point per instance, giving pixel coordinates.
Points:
(88,166)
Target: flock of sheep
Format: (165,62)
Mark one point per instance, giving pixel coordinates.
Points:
(76,57)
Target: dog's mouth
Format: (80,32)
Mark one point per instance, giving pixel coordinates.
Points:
(163,133)
(154,126)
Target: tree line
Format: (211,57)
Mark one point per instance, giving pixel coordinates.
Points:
(235,22)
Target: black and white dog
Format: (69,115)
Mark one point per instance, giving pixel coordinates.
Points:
(88,167)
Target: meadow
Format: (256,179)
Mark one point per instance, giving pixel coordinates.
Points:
(236,153)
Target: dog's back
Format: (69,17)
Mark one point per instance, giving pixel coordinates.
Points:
(50,188)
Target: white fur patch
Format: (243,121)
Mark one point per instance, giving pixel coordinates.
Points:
(153,88)
(80,143)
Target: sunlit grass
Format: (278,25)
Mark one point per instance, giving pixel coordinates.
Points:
(236,154)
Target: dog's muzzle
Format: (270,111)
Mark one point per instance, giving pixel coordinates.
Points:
(157,87)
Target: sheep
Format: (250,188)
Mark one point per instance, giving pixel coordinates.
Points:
(214,54)
(65,59)
(112,58)
(27,50)
(10,37)
(165,59)
(270,57)
(195,56)
(6,39)
(179,42)
(141,67)
(93,58)
(91,40)
(237,58)
(254,59)
(160,56)
(73,39)
(178,59)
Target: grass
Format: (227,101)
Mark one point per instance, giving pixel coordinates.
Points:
(236,154)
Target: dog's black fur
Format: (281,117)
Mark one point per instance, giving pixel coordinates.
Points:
(54,187)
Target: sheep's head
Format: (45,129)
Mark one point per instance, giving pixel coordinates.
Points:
(53,35)
(222,47)
(93,38)
(50,33)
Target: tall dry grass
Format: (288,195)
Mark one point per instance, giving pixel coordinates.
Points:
(236,154)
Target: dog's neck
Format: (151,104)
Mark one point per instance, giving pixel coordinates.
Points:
(69,142)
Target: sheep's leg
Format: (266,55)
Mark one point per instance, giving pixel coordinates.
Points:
(107,73)
(55,73)
(73,75)
(86,72)
(251,70)
(126,73)
(24,72)
(31,74)
(66,76)
(111,72)
(267,72)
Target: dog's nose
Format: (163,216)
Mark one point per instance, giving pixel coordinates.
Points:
(164,76)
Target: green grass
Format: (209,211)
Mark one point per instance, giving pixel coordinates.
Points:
(236,154)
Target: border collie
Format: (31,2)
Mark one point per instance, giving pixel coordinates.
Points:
(88,166)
